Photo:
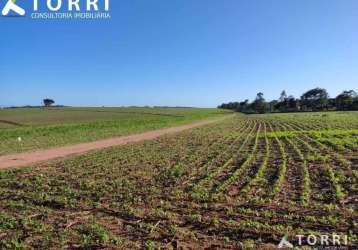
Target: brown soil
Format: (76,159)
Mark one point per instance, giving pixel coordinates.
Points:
(11,123)
(33,157)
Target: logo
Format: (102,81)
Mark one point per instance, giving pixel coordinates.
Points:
(284,243)
(322,241)
(61,9)
(12,7)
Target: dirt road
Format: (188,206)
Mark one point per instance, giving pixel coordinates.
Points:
(38,156)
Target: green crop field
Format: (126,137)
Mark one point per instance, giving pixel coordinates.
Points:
(44,128)
(239,183)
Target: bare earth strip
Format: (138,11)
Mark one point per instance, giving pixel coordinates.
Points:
(38,156)
(11,123)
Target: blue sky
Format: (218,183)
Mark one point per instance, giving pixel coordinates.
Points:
(181,52)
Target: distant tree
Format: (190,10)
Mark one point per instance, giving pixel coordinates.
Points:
(287,104)
(243,106)
(260,97)
(355,103)
(260,105)
(283,96)
(332,104)
(281,104)
(315,99)
(230,105)
(345,100)
(273,105)
(292,104)
(48,102)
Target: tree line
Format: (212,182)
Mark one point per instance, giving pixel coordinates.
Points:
(316,99)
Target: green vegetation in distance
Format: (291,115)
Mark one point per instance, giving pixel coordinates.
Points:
(50,127)
(313,100)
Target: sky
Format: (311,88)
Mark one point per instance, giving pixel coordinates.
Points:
(180,53)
